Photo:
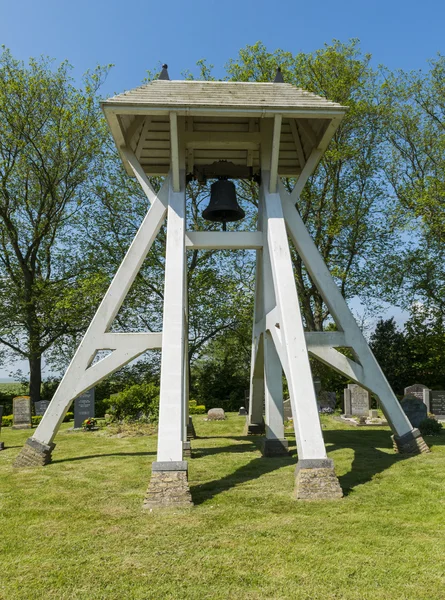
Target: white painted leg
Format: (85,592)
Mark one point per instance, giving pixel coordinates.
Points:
(171,406)
(275,443)
(315,478)
(80,375)
(368,373)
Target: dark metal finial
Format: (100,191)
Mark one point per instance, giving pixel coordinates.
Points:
(164,73)
(278,76)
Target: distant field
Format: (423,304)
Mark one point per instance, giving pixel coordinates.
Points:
(13,388)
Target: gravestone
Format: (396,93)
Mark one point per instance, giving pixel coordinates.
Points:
(327,400)
(373,414)
(414,409)
(2,444)
(21,410)
(83,408)
(416,390)
(216,414)
(360,400)
(347,409)
(242,411)
(287,410)
(437,403)
(40,407)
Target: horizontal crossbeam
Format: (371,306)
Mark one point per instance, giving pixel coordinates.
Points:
(224,240)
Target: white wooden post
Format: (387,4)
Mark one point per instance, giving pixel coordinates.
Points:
(275,443)
(171,406)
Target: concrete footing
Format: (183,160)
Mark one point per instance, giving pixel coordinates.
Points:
(187,449)
(34,454)
(191,433)
(254,428)
(168,486)
(274,447)
(316,480)
(410,443)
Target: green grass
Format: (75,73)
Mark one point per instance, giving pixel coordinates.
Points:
(75,529)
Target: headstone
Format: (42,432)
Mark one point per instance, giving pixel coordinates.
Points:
(216,414)
(416,390)
(83,408)
(437,403)
(373,414)
(242,411)
(327,399)
(21,410)
(360,400)
(317,385)
(347,402)
(414,409)
(40,407)
(287,410)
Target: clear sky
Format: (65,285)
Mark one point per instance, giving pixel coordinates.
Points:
(139,35)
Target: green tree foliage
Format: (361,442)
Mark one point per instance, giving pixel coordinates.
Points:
(391,350)
(51,141)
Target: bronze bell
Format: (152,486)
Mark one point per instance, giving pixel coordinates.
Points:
(223,206)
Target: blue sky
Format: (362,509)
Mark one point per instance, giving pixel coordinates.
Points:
(136,36)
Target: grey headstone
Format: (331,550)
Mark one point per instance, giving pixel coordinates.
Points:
(242,411)
(414,409)
(373,414)
(287,410)
(327,399)
(83,408)
(360,400)
(437,402)
(317,386)
(216,414)
(40,407)
(21,410)
(347,402)
(416,390)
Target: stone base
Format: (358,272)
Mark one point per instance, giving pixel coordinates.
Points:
(410,443)
(168,486)
(316,480)
(24,426)
(191,433)
(254,428)
(187,449)
(34,454)
(275,447)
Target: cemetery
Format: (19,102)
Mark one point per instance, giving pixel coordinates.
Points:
(205,414)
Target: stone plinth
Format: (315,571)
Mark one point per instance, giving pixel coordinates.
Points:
(168,486)
(316,480)
(254,428)
(187,449)
(191,433)
(410,443)
(275,447)
(34,454)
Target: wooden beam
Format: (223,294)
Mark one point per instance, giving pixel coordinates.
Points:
(275,154)
(224,240)
(297,142)
(331,339)
(308,132)
(142,137)
(131,131)
(139,174)
(174,151)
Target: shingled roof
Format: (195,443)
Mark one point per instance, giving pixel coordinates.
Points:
(227,94)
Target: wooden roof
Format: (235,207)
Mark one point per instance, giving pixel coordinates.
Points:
(219,121)
(221,95)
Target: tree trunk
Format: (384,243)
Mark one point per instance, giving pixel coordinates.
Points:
(35,377)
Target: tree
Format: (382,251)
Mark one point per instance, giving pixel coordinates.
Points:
(51,139)
(391,350)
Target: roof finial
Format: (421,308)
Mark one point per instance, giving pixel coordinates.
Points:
(278,76)
(164,73)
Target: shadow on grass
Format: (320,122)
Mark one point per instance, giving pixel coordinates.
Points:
(88,457)
(370,458)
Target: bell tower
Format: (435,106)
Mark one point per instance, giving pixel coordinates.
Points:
(225,131)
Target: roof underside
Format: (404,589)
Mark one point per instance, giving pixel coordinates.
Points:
(219,121)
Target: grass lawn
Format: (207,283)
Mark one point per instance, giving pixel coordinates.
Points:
(75,529)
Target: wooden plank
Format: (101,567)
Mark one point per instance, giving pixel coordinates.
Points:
(308,131)
(143,135)
(174,151)
(224,240)
(275,154)
(297,141)
(132,129)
